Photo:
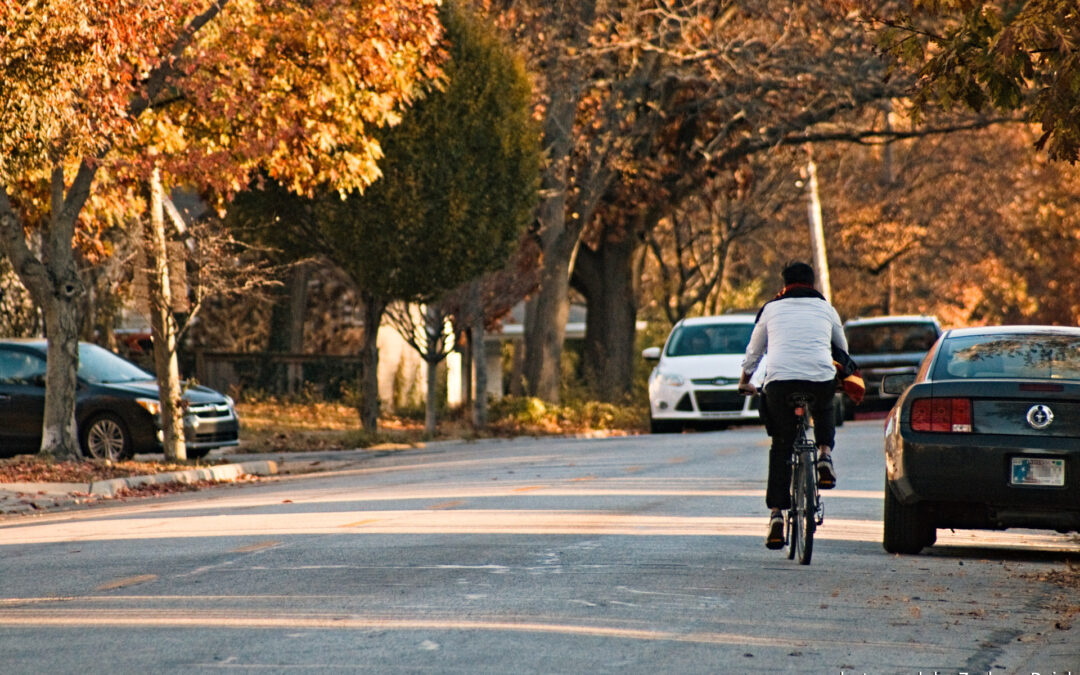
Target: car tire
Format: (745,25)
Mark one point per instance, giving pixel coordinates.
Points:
(931,536)
(105,436)
(839,411)
(197,454)
(663,426)
(907,529)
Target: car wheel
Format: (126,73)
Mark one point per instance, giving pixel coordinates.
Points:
(839,411)
(907,529)
(106,437)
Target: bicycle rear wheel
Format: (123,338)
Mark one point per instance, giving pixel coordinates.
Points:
(805,508)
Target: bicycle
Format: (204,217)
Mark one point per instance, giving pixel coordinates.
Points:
(806,511)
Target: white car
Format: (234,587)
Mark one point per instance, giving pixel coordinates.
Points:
(696,377)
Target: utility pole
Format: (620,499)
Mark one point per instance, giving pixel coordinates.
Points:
(817,231)
(888,177)
(163,324)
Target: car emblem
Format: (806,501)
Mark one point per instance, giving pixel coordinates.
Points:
(1040,416)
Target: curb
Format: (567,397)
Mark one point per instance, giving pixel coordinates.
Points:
(23,498)
(223,472)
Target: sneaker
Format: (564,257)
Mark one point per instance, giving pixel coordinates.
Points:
(826,474)
(775,539)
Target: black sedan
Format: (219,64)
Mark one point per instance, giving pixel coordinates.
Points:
(986,437)
(117,406)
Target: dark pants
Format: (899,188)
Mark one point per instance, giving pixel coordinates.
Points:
(779,416)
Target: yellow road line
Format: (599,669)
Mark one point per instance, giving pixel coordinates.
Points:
(127,581)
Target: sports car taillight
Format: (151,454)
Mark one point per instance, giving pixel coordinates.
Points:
(951,415)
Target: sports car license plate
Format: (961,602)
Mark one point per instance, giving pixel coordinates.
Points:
(1037,471)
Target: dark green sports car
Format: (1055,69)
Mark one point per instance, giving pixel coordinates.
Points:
(986,437)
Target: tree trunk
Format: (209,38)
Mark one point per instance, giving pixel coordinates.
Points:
(517,369)
(59,295)
(298,301)
(547,312)
(369,361)
(54,284)
(163,328)
(59,436)
(479,358)
(287,324)
(546,315)
(433,326)
(466,369)
(605,277)
(726,253)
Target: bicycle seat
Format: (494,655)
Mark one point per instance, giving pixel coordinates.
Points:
(800,399)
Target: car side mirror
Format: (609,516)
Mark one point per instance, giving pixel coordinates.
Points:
(651,354)
(897,384)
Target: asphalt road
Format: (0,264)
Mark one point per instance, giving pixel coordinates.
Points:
(616,555)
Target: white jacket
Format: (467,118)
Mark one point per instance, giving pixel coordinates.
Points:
(798,335)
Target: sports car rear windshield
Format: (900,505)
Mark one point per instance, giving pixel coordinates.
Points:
(717,338)
(891,338)
(1038,357)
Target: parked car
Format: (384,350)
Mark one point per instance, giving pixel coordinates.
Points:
(987,436)
(116,410)
(696,377)
(888,345)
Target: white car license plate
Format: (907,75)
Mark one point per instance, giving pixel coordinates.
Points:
(1037,471)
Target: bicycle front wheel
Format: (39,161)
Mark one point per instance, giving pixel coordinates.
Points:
(805,509)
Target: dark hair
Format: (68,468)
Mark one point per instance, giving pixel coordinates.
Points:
(798,273)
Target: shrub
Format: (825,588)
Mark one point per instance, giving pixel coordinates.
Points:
(521,410)
(531,414)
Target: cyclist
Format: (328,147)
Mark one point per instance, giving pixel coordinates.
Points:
(798,329)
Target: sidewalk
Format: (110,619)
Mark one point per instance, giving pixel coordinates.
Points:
(27,498)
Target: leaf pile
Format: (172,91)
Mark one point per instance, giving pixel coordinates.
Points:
(1068,576)
(38,469)
(161,489)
